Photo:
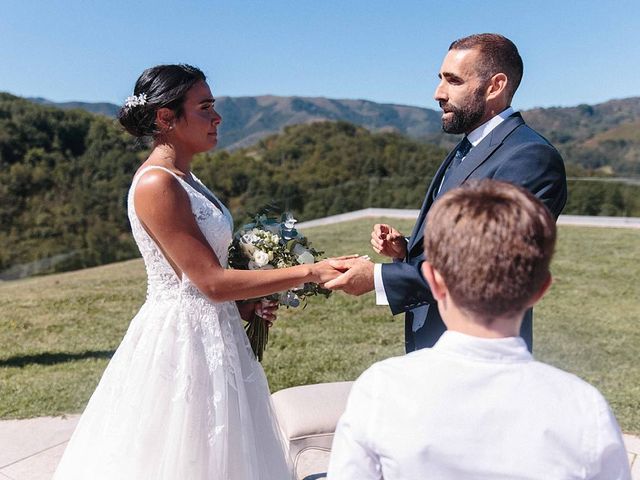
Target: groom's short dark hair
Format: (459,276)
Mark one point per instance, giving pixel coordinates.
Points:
(492,243)
(498,55)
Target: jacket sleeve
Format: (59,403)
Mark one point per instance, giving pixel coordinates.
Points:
(405,286)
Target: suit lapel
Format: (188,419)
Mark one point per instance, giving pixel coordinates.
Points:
(476,157)
(428,199)
(481,152)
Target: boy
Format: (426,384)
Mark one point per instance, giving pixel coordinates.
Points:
(477,405)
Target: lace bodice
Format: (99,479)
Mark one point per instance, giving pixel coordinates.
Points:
(216,226)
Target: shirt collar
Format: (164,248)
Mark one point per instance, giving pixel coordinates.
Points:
(501,350)
(476,136)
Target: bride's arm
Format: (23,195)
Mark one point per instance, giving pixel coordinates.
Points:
(164,209)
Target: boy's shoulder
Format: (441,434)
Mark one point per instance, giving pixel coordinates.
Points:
(559,383)
(396,368)
(567,385)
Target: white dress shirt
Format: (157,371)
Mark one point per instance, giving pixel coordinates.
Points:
(475,137)
(475,408)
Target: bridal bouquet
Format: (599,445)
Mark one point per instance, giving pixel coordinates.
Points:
(269,243)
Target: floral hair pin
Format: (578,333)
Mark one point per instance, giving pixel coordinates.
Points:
(135,100)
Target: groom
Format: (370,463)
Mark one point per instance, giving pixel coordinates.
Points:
(478,78)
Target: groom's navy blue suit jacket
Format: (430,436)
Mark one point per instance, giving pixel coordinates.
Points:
(512,152)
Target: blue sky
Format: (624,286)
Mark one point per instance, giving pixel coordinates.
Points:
(386,51)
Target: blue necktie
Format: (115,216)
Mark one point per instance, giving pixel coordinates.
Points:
(461,152)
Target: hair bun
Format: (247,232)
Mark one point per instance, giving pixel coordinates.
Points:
(137,119)
(161,86)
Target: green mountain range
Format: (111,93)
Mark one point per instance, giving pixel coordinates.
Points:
(604,137)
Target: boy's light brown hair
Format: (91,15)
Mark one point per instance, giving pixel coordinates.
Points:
(492,243)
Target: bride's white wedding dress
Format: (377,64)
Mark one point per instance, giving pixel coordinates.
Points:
(183,397)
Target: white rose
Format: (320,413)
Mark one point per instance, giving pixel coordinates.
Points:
(260,258)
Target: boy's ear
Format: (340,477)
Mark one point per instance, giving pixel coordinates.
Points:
(435,280)
(541,293)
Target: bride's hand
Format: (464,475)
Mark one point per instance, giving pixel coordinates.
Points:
(265,309)
(323,272)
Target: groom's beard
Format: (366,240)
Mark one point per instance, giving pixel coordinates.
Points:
(465,118)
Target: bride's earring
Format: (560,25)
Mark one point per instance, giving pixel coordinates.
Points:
(165,120)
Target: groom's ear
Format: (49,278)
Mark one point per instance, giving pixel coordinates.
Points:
(435,280)
(497,86)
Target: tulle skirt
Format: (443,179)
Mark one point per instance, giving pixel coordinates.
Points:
(183,398)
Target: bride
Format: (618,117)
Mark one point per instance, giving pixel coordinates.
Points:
(183,397)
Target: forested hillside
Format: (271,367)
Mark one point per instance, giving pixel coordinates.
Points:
(64,176)
(605,136)
(63,182)
(322,169)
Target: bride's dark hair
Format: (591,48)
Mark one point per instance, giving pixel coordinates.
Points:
(162,86)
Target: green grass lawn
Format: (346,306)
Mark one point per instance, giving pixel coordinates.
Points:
(57,332)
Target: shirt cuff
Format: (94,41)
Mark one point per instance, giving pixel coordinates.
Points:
(381,295)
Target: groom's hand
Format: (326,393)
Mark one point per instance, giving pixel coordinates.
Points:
(357,277)
(388,241)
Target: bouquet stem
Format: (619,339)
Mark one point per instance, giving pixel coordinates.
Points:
(258,334)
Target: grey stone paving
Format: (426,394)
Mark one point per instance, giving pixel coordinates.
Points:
(31,449)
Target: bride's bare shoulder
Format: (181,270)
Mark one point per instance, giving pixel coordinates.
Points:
(158,188)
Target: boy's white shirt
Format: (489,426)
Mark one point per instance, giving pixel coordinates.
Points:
(472,408)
